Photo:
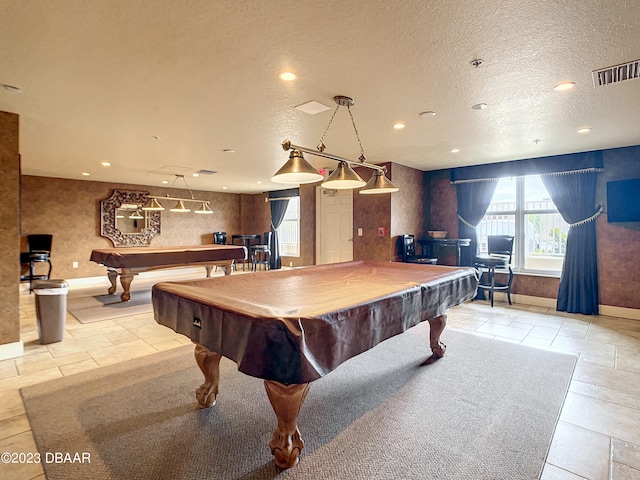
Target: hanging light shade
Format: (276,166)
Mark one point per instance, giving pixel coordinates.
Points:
(378,183)
(153,206)
(296,170)
(180,208)
(204,209)
(343,178)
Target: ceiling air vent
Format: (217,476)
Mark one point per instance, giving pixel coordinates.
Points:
(206,172)
(616,74)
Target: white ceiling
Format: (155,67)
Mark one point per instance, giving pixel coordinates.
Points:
(101,78)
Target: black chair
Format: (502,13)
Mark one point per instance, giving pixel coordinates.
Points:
(407,249)
(261,254)
(220,238)
(498,261)
(39,251)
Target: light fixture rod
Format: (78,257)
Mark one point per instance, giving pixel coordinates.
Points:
(180,199)
(287,145)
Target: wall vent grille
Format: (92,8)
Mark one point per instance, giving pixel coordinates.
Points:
(616,74)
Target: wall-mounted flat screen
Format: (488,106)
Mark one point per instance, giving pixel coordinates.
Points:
(623,201)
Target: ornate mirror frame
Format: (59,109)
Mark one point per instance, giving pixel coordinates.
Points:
(108,227)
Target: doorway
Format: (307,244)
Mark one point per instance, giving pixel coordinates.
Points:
(334,225)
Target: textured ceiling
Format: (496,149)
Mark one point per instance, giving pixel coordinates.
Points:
(101,79)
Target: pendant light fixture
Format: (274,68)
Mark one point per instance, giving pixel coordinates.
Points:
(180,208)
(378,183)
(297,170)
(153,205)
(204,209)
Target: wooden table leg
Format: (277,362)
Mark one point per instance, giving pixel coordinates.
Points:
(286,400)
(209,363)
(112,275)
(125,281)
(438,348)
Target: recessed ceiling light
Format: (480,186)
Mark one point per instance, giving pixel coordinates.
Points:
(398,126)
(224,188)
(455,150)
(479,106)
(287,76)
(12,88)
(85,174)
(562,86)
(584,130)
(165,181)
(429,113)
(259,182)
(105,164)
(228,150)
(195,174)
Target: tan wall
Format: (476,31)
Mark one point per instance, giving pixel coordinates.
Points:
(371,212)
(9,228)
(70,211)
(407,205)
(255,214)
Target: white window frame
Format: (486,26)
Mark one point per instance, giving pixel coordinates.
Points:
(289,241)
(519,215)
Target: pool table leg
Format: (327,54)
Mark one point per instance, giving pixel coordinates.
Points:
(125,281)
(112,275)
(286,400)
(209,363)
(438,348)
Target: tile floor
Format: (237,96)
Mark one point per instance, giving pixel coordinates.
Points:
(597,437)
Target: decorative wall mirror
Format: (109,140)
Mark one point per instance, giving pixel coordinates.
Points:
(124,222)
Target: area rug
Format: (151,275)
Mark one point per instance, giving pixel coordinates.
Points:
(487,410)
(96,305)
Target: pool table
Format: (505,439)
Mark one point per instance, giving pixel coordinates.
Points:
(128,262)
(291,327)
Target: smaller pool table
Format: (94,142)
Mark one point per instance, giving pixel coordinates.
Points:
(128,262)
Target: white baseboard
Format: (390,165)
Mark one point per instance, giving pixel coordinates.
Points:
(622,312)
(11,350)
(607,310)
(530,300)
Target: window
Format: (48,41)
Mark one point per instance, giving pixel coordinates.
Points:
(289,231)
(522,207)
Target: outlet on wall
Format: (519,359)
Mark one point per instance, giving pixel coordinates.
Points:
(75,264)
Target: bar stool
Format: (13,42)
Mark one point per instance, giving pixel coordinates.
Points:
(261,254)
(39,251)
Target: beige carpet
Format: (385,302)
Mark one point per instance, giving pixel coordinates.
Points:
(487,410)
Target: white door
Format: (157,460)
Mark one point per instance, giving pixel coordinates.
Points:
(334,225)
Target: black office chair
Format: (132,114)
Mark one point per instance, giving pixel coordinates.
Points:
(220,238)
(261,254)
(39,251)
(498,261)
(407,249)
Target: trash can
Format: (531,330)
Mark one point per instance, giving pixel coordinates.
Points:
(51,309)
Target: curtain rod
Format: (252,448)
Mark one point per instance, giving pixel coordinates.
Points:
(269,199)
